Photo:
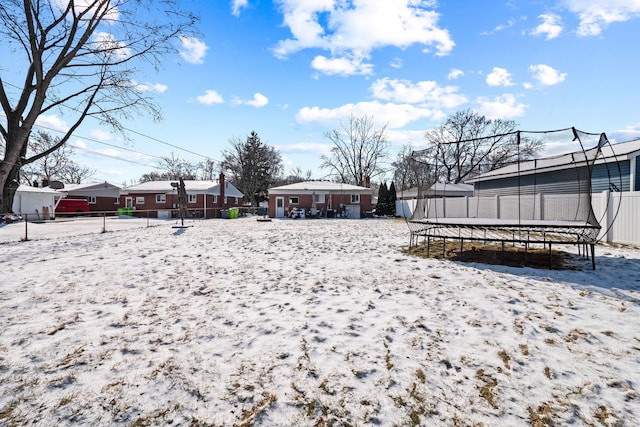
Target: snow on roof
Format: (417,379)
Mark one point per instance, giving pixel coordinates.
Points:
(89,186)
(192,186)
(42,190)
(311,186)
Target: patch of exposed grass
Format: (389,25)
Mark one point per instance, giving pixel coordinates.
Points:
(502,354)
(524,349)
(512,255)
(421,376)
(486,389)
(547,372)
(541,416)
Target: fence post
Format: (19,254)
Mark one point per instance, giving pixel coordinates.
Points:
(605,205)
(104,221)
(26,230)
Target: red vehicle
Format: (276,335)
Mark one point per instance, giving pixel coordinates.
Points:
(68,206)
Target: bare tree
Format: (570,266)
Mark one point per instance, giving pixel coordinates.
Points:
(468,143)
(54,165)
(408,172)
(172,168)
(358,150)
(295,175)
(79,58)
(76,174)
(253,166)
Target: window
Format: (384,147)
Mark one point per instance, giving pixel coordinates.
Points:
(116,201)
(294,200)
(318,198)
(91,200)
(161,198)
(225,200)
(355,198)
(193,198)
(139,200)
(214,199)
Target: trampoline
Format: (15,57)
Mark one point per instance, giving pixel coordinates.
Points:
(542,202)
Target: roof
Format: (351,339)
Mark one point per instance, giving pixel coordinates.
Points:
(39,190)
(609,153)
(98,189)
(439,189)
(309,187)
(193,187)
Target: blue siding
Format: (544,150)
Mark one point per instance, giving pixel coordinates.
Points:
(565,181)
(613,176)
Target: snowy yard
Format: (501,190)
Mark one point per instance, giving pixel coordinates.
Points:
(304,323)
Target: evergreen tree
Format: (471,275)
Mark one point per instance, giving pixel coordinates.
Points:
(381,207)
(391,199)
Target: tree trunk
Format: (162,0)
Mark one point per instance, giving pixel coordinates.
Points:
(15,148)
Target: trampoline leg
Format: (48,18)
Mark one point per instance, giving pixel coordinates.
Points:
(428,245)
(444,247)
(593,256)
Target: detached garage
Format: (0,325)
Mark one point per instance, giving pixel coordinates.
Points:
(36,203)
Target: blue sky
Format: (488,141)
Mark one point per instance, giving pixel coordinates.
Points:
(293,69)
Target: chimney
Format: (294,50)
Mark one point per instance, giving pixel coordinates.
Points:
(45,182)
(221,184)
(367,181)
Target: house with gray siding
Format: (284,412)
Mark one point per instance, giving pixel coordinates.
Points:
(616,168)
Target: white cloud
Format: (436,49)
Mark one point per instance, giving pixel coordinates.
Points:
(596,15)
(628,133)
(100,135)
(258,101)
(53,123)
(304,147)
(454,74)
(499,77)
(395,115)
(210,97)
(79,143)
(342,66)
(427,93)
(500,107)
(396,63)
(110,46)
(236,5)
(353,29)
(193,50)
(546,75)
(151,87)
(551,26)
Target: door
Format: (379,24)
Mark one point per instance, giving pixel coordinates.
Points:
(279,207)
(128,202)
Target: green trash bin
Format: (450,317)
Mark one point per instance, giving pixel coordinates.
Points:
(233,213)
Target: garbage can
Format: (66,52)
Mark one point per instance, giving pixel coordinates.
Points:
(233,213)
(224,213)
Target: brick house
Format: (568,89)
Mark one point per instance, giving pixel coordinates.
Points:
(159,199)
(320,198)
(101,196)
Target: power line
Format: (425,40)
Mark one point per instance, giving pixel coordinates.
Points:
(128,130)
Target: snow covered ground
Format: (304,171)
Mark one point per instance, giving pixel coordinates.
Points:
(304,322)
